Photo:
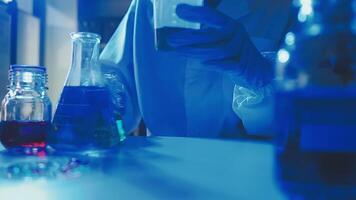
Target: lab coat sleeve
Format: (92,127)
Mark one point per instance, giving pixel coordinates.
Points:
(255,107)
(117,67)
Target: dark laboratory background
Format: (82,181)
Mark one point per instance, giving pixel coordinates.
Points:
(36,32)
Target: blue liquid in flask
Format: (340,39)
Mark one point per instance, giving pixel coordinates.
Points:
(85,120)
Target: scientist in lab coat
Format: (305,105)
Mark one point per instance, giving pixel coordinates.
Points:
(216,82)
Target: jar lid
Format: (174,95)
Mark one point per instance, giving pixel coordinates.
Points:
(27,67)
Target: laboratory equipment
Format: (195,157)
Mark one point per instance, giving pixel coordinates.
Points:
(316,102)
(85,117)
(167,22)
(26,110)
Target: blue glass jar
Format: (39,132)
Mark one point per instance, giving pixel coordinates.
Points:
(26,110)
(316,102)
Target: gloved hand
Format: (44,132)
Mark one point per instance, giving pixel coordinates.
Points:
(221,44)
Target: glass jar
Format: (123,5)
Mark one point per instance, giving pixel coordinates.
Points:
(26,109)
(316,101)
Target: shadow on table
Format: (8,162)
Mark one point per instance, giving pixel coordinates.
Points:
(149,178)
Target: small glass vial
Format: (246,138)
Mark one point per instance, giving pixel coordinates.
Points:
(25,118)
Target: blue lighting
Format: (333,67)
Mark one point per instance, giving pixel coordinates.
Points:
(306,10)
(283,56)
(306,2)
(290,39)
(315,29)
(301,17)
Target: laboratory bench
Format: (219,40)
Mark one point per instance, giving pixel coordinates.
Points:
(147,168)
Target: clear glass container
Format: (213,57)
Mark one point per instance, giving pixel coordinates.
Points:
(316,102)
(166,21)
(85,117)
(26,109)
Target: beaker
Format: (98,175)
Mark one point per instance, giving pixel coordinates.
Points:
(167,22)
(85,118)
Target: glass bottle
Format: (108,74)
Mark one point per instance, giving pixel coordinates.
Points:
(85,117)
(26,110)
(316,102)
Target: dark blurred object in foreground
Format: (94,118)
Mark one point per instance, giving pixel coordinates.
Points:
(316,102)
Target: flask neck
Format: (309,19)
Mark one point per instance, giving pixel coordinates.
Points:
(85,69)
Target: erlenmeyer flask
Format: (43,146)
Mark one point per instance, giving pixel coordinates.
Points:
(85,118)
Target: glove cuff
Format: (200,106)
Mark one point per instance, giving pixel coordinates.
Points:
(251,96)
(255,106)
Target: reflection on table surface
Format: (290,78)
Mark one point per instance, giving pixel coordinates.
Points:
(146,168)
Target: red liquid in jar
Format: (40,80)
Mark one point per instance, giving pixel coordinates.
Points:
(14,134)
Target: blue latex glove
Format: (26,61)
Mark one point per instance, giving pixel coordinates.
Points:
(221,44)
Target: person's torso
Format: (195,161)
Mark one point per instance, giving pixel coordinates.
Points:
(178,96)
